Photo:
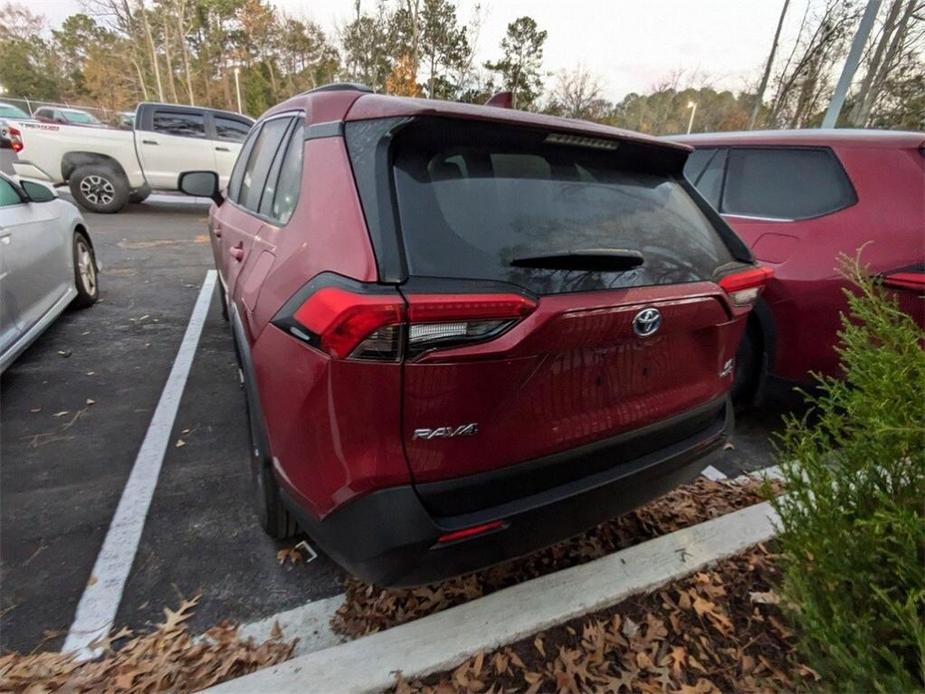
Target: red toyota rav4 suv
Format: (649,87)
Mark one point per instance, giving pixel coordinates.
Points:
(800,199)
(469,332)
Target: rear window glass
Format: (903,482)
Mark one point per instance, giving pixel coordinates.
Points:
(473,198)
(785,183)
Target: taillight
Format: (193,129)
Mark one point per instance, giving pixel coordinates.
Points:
(906,280)
(744,287)
(15,137)
(352,323)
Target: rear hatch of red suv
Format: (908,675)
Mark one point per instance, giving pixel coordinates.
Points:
(564,312)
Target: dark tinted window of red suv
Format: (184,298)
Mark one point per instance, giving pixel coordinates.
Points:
(785,183)
(472,198)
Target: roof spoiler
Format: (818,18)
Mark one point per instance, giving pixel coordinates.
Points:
(501,100)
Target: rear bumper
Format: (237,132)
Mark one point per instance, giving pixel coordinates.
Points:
(390,538)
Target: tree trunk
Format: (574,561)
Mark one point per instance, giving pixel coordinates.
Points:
(874,65)
(141,79)
(181,30)
(154,63)
(759,97)
(171,84)
(893,51)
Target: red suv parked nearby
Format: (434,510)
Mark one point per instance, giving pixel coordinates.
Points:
(800,198)
(469,332)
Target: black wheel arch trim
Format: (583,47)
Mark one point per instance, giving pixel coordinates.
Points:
(762,316)
(251,393)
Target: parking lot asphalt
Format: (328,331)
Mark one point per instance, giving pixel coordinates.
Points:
(75,409)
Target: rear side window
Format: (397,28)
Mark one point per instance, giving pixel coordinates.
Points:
(474,197)
(261,158)
(230,129)
(785,183)
(179,123)
(290,179)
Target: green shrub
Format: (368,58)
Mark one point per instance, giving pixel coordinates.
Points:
(853,532)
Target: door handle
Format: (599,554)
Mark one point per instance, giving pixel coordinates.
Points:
(217,230)
(6,238)
(222,149)
(149,142)
(237,251)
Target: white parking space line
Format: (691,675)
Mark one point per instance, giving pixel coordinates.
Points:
(100,600)
(711,473)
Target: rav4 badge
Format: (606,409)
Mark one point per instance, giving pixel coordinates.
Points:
(446,432)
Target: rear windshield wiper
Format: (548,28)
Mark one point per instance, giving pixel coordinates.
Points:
(588,260)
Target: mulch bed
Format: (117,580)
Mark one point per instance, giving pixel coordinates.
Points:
(369,609)
(168,659)
(720,630)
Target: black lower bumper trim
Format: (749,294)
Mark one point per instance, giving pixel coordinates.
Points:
(389,537)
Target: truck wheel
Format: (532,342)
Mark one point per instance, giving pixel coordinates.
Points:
(85,272)
(99,188)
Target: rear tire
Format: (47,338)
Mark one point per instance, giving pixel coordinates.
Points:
(748,367)
(272,514)
(86,278)
(99,188)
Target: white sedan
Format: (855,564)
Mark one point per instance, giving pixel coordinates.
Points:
(46,263)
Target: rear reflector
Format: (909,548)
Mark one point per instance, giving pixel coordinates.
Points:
(359,325)
(744,287)
(470,532)
(906,280)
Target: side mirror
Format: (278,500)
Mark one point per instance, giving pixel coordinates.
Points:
(201,184)
(38,192)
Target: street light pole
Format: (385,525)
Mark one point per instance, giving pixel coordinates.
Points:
(692,105)
(851,64)
(237,87)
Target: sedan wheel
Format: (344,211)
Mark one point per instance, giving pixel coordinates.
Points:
(86,266)
(85,272)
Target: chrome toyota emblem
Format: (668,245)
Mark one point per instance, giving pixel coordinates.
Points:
(647,322)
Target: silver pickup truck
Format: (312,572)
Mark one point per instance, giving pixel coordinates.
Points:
(107,168)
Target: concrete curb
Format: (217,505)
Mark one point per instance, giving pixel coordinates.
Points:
(445,639)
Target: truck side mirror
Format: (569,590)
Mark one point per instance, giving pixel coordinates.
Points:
(201,184)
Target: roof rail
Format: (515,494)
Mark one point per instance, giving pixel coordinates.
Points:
(501,100)
(341,87)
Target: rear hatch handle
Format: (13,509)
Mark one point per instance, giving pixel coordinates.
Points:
(587,260)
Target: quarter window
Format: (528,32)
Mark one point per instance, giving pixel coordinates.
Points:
(230,129)
(783,183)
(180,124)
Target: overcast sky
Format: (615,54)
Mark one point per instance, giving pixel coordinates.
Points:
(629,44)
